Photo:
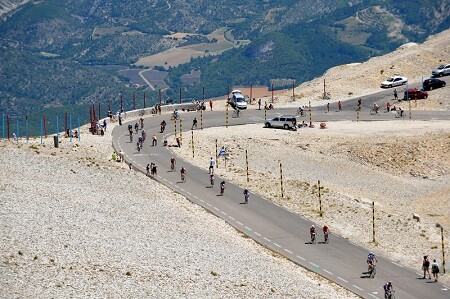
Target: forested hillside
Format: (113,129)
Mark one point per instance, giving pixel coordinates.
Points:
(54,53)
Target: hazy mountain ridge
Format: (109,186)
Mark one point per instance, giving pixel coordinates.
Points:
(288,39)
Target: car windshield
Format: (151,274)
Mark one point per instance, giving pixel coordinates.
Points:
(441,67)
(240,100)
(390,79)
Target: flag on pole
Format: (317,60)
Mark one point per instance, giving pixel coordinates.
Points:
(221,152)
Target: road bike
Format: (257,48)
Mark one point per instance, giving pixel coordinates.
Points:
(183,177)
(372,271)
(390,295)
(399,114)
(325,236)
(175,116)
(313,238)
(375,111)
(237,113)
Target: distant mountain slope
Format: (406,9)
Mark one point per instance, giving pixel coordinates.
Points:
(8,6)
(61,51)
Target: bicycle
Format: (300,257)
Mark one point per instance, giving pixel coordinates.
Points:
(390,295)
(374,111)
(400,114)
(172,165)
(313,238)
(211,180)
(301,111)
(175,116)
(372,270)
(325,236)
(237,113)
(131,136)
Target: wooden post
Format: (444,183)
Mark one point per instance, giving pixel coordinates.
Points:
(160,96)
(192,141)
(320,200)
(251,87)
(217,157)
(281,181)
(8,124)
(373,221)
(272,92)
(246,164)
(293,89)
(45,126)
(310,114)
(181,130)
(201,119)
(121,104)
(180,95)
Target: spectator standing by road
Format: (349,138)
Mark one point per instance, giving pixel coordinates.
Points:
(435,270)
(395,95)
(259,104)
(210,104)
(212,163)
(426,267)
(339,106)
(154,140)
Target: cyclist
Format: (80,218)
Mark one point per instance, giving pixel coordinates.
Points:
(246,195)
(194,124)
(211,179)
(222,187)
(326,231)
(141,120)
(163,126)
(173,162)
(388,289)
(312,232)
(183,174)
(371,259)
(136,127)
(400,111)
(375,107)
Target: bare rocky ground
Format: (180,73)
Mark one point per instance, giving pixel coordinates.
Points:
(76,224)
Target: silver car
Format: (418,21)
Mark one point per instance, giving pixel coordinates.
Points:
(284,121)
(442,70)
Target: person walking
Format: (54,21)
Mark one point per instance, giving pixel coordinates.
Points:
(395,95)
(154,140)
(259,104)
(148,169)
(435,270)
(210,104)
(212,163)
(426,267)
(339,106)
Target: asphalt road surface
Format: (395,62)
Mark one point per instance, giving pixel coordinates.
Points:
(270,225)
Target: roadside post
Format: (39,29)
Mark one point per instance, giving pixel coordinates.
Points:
(201,119)
(373,221)
(79,131)
(443,248)
(26,128)
(70,126)
(3,126)
(246,164)
(409,102)
(192,141)
(310,115)
(265,114)
(42,129)
(175,125)
(45,126)
(8,129)
(320,199)
(226,117)
(181,130)
(281,180)
(217,156)
(293,89)
(17,129)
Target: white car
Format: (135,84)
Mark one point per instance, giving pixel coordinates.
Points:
(394,81)
(238,100)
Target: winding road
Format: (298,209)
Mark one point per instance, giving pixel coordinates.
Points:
(273,226)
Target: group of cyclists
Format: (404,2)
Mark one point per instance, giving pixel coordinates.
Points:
(326,232)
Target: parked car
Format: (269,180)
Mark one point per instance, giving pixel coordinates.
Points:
(414,93)
(432,83)
(394,81)
(442,70)
(238,100)
(284,121)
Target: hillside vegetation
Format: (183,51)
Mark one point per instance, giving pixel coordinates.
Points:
(69,53)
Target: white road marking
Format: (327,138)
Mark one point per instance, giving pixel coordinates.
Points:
(223,213)
(182,189)
(267,240)
(209,204)
(327,271)
(195,197)
(277,245)
(300,257)
(216,209)
(259,235)
(314,264)
(397,264)
(248,228)
(342,279)
(240,223)
(287,250)
(356,287)
(231,218)
(201,200)
(189,193)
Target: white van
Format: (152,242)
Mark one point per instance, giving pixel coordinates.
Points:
(238,100)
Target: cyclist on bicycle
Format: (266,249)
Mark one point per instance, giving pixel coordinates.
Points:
(375,107)
(326,231)
(388,289)
(173,162)
(183,174)
(312,232)
(371,259)
(163,126)
(222,187)
(211,179)
(246,195)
